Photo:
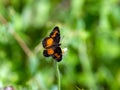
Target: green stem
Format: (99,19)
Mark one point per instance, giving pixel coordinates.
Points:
(58,76)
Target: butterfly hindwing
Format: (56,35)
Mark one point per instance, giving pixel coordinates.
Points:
(45,53)
(57,54)
(48,52)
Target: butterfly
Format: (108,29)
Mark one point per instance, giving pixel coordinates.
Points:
(52,45)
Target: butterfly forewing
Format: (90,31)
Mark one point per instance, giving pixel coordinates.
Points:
(47,42)
(55,34)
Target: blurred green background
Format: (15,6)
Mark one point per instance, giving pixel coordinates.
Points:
(90,30)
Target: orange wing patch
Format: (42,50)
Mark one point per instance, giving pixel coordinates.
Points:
(48,42)
(54,34)
(50,51)
(57,55)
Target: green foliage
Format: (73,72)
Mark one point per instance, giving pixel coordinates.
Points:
(91,31)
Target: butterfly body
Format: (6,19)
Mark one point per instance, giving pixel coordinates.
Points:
(52,45)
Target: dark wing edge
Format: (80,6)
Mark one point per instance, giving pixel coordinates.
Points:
(45,53)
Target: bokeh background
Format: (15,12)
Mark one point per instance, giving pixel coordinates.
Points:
(90,30)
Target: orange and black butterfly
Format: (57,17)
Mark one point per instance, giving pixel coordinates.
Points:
(52,45)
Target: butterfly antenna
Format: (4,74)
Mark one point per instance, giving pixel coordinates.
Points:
(62,38)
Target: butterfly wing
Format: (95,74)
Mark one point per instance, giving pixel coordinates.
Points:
(48,52)
(57,54)
(55,34)
(47,42)
(53,39)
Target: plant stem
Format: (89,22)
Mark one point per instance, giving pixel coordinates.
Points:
(58,76)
